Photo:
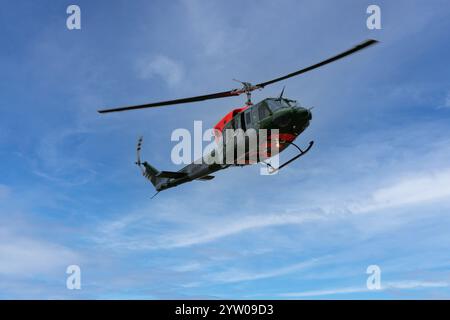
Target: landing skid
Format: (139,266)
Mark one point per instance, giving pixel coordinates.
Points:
(301,153)
(154,195)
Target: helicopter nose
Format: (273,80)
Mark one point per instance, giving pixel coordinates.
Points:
(302,117)
(297,117)
(302,114)
(283,119)
(309,115)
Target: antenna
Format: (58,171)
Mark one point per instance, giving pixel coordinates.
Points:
(281,94)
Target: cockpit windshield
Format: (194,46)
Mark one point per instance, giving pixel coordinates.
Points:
(275,104)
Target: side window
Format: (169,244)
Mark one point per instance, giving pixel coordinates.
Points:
(248,119)
(263,111)
(225,133)
(236,122)
(255,113)
(242,117)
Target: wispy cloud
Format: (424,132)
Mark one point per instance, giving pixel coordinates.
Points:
(394,285)
(446,103)
(28,256)
(326,292)
(205,233)
(163,67)
(216,34)
(413,189)
(232,227)
(239,275)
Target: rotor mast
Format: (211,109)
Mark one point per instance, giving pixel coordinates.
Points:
(247,88)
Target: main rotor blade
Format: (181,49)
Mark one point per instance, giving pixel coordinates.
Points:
(359,47)
(218,95)
(247,87)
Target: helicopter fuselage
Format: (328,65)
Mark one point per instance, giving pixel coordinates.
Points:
(285,115)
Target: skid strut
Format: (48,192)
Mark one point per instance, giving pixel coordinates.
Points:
(301,153)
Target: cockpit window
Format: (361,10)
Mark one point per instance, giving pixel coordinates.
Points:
(275,104)
(263,111)
(291,103)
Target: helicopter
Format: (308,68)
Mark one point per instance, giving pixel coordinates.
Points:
(286,116)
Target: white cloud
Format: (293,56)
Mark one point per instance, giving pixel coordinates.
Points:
(447,101)
(315,293)
(415,189)
(192,266)
(398,285)
(419,188)
(413,284)
(164,67)
(227,228)
(238,275)
(422,188)
(216,34)
(204,233)
(24,256)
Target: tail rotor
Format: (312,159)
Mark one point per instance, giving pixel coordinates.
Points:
(138,152)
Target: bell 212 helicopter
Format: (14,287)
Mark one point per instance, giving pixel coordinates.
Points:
(280,113)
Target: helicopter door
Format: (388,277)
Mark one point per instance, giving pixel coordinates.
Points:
(242,121)
(236,122)
(263,111)
(248,119)
(255,116)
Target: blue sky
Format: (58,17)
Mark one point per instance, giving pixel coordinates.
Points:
(375,189)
